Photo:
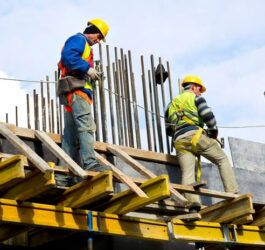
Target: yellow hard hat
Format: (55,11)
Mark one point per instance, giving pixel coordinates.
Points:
(193,79)
(102,26)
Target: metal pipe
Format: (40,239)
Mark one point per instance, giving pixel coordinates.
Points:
(152,109)
(158,121)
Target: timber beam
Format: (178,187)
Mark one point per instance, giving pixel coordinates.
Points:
(88,191)
(78,220)
(127,201)
(212,232)
(259,218)
(230,210)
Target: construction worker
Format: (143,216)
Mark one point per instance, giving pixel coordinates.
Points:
(186,116)
(76,94)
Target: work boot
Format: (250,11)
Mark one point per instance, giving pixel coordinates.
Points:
(99,168)
(195,207)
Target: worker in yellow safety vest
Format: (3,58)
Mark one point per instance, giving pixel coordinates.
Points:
(76,94)
(185,118)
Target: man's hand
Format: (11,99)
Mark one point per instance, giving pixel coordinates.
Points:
(94,74)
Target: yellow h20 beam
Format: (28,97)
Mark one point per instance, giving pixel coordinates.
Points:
(211,232)
(88,191)
(127,201)
(58,217)
(11,171)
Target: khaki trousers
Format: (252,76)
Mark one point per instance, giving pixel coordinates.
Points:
(210,149)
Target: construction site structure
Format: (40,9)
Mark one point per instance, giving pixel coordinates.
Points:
(139,204)
(37,213)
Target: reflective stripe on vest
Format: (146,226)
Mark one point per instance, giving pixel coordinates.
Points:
(69,99)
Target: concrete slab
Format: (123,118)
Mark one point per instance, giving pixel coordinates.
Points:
(247,155)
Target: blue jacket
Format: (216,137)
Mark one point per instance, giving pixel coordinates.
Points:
(72,51)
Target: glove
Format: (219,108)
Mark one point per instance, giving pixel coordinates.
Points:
(94,74)
(212,133)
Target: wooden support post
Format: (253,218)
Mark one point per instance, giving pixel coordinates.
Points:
(122,177)
(127,201)
(58,152)
(88,192)
(145,172)
(25,149)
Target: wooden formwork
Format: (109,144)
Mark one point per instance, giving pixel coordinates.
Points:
(61,208)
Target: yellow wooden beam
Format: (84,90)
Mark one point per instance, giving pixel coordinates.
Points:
(33,184)
(11,171)
(212,232)
(58,217)
(88,191)
(128,201)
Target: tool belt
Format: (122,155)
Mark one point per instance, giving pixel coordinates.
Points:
(69,84)
(193,143)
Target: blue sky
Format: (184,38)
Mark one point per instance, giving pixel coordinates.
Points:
(221,41)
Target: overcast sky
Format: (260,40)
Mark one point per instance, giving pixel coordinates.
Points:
(221,41)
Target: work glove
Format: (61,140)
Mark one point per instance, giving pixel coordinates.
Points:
(212,133)
(94,74)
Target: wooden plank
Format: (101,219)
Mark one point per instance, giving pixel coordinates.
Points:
(259,218)
(187,217)
(198,184)
(121,176)
(144,171)
(101,146)
(58,152)
(25,149)
(228,211)
(88,191)
(127,201)
(11,172)
(24,189)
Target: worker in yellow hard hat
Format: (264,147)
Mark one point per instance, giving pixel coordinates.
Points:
(76,94)
(185,118)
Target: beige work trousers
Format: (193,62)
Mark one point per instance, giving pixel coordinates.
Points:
(210,149)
